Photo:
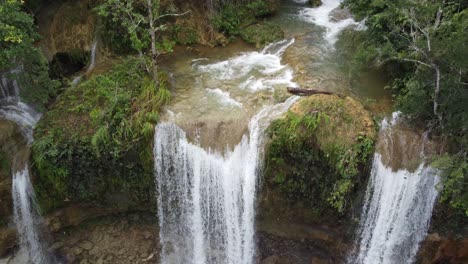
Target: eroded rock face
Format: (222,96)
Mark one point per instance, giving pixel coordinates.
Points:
(67,26)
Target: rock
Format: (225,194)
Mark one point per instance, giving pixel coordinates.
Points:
(77,251)
(7,240)
(66,26)
(339,14)
(147,235)
(261,33)
(86,245)
(315,3)
(100,260)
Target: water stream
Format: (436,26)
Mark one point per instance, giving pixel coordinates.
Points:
(91,66)
(26,215)
(399,201)
(208,149)
(206,199)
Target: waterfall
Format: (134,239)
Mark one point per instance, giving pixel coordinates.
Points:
(206,200)
(91,65)
(397,207)
(26,216)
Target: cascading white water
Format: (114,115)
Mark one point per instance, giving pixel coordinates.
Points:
(321,16)
(26,216)
(206,199)
(397,209)
(91,66)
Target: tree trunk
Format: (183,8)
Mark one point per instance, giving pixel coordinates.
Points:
(306,92)
(154,53)
(436,94)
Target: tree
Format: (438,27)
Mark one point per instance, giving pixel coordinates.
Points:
(17,52)
(422,46)
(144,23)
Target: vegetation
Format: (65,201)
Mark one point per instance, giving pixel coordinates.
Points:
(97,138)
(421,46)
(19,59)
(143,22)
(261,33)
(319,151)
(241,20)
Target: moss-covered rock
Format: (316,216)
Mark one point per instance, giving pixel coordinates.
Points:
(233,19)
(94,145)
(315,3)
(261,33)
(317,155)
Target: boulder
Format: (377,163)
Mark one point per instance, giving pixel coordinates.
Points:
(339,14)
(305,196)
(315,3)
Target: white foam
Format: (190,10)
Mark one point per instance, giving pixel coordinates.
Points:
(321,17)
(224,97)
(255,70)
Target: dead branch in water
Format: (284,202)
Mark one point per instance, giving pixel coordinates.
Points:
(307,92)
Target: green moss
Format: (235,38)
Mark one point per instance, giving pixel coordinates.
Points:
(184,34)
(95,142)
(311,159)
(261,33)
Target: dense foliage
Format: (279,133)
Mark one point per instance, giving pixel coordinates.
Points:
(422,48)
(19,59)
(96,140)
(319,155)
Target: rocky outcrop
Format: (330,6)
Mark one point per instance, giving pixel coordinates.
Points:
(315,166)
(67,26)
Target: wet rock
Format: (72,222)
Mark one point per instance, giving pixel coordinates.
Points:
(100,244)
(7,240)
(339,14)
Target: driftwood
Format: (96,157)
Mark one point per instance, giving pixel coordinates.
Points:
(307,92)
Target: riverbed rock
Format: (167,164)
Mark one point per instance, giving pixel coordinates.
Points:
(443,249)
(95,241)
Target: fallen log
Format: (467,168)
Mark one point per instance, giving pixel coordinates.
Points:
(307,92)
